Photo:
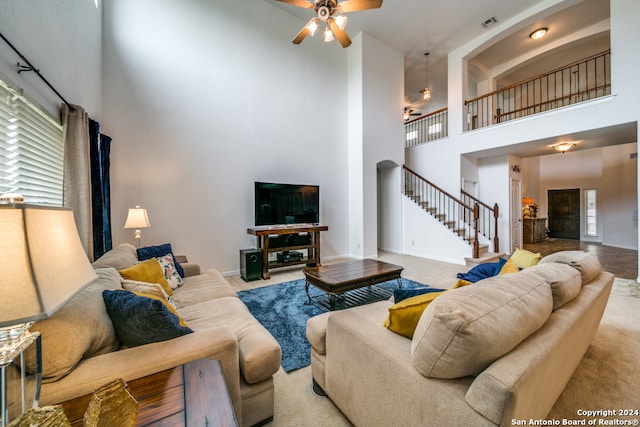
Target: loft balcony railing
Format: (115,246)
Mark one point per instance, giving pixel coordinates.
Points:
(427,128)
(580,81)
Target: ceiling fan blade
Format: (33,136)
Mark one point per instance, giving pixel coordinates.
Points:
(300,3)
(355,5)
(304,32)
(341,35)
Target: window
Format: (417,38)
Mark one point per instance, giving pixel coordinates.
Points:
(31,150)
(590,201)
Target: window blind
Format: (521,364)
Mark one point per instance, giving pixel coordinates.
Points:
(31,150)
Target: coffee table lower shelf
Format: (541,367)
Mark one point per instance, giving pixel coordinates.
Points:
(350,299)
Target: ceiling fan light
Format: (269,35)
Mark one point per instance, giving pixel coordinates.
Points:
(328,35)
(341,21)
(426,94)
(313,26)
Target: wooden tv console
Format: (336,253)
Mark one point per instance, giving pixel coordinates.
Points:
(288,232)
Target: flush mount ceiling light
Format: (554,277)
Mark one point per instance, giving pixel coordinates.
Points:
(538,34)
(426,92)
(325,11)
(563,147)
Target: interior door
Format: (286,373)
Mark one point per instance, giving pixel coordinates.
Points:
(516,214)
(564,214)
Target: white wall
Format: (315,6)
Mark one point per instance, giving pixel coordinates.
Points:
(62,39)
(440,162)
(202,99)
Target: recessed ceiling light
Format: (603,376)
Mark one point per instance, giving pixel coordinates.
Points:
(538,34)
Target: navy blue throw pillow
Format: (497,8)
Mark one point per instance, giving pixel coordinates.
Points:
(482,271)
(400,294)
(149,252)
(140,320)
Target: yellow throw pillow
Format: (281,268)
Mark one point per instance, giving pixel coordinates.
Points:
(524,258)
(166,304)
(509,267)
(404,316)
(460,283)
(147,271)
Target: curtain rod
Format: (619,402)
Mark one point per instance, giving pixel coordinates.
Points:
(30,67)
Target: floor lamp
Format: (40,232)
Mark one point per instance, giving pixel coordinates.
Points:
(43,265)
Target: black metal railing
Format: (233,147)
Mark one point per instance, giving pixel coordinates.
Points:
(580,81)
(427,128)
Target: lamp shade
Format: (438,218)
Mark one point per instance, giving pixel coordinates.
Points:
(137,218)
(528,201)
(42,261)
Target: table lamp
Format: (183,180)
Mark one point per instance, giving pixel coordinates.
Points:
(137,218)
(43,265)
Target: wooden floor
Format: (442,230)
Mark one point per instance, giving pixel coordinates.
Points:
(621,262)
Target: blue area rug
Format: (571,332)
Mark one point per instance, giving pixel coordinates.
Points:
(282,310)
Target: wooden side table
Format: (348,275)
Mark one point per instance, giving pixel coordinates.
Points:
(534,230)
(193,394)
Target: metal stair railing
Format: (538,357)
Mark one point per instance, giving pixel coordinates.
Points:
(487,220)
(461,218)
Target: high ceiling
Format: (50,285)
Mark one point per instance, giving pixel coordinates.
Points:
(418,26)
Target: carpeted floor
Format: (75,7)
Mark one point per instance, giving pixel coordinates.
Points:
(607,377)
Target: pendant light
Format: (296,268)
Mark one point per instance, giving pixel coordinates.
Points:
(426,92)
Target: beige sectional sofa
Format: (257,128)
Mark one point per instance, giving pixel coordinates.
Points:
(499,350)
(81,351)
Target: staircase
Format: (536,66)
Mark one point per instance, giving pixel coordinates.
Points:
(468,219)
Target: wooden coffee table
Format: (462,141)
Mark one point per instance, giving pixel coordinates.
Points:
(337,279)
(193,394)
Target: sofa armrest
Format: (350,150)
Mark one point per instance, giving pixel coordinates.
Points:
(137,362)
(191,269)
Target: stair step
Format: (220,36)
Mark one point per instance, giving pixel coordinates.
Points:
(483,258)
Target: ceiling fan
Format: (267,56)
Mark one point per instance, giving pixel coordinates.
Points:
(408,113)
(325,10)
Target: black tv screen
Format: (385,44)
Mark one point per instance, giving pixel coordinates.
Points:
(286,203)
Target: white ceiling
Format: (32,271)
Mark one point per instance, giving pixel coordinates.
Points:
(576,30)
(415,27)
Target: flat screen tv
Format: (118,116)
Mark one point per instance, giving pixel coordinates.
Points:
(277,204)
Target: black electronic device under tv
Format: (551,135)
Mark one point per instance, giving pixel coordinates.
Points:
(277,204)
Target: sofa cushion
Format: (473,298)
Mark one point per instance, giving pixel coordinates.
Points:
(149,252)
(147,271)
(204,287)
(524,258)
(140,320)
(260,353)
(587,264)
(121,257)
(464,330)
(80,329)
(565,281)
(403,316)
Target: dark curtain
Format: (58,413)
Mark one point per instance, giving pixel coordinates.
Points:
(100,147)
